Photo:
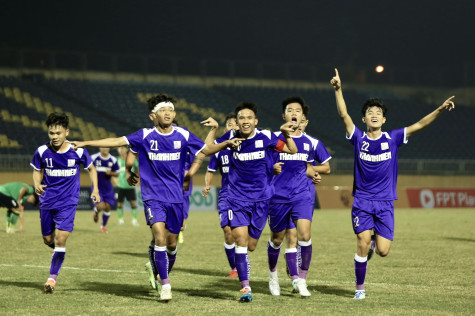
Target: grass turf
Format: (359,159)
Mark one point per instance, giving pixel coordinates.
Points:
(430,270)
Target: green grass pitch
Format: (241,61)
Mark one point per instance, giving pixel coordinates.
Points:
(430,270)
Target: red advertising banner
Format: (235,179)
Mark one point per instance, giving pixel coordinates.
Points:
(441,197)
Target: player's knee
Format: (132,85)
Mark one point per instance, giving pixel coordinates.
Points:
(383,252)
(47,240)
(277,241)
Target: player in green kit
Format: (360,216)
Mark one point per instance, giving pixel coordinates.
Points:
(125,191)
(12,196)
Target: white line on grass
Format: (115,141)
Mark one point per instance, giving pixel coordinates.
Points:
(309,281)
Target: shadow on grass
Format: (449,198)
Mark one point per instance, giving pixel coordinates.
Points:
(19,284)
(207,272)
(331,290)
(132,254)
(139,292)
(460,239)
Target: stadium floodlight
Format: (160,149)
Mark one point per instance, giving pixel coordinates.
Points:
(379,69)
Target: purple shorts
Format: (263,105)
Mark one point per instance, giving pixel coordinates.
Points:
(251,214)
(169,213)
(223,210)
(377,215)
(57,219)
(109,198)
(283,215)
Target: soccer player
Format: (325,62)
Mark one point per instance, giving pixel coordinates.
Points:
(375,176)
(12,196)
(161,153)
(58,189)
(291,207)
(249,189)
(221,161)
(106,167)
(126,191)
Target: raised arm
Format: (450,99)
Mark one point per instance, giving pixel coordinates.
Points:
(210,122)
(429,118)
(289,147)
(341,105)
(106,142)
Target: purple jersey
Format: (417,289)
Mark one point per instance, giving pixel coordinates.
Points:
(375,168)
(293,182)
(221,161)
(102,166)
(251,166)
(162,161)
(61,175)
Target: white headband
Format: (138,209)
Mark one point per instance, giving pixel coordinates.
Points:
(161,105)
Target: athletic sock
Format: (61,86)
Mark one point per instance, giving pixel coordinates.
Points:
(56,262)
(231,254)
(273,252)
(151,257)
(243,266)
(105,218)
(305,248)
(120,213)
(171,258)
(360,271)
(161,261)
(291,258)
(134,213)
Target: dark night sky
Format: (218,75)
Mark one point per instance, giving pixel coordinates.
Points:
(401,33)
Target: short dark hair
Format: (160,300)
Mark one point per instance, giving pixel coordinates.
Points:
(56,118)
(374,102)
(294,99)
(161,97)
(229,116)
(175,122)
(246,105)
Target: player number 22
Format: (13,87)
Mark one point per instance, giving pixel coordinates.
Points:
(365,146)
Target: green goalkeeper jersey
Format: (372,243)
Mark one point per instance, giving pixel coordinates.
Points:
(13,189)
(123,175)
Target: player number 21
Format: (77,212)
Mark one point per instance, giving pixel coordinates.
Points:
(154,145)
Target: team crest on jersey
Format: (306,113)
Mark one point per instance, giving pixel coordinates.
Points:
(306,146)
(177,144)
(384,146)
(71,162)
(259,143)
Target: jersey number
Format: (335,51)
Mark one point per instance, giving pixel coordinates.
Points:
(225,160)
(365,146)
(49,162)
(230,215)
(154,145)
(356,222)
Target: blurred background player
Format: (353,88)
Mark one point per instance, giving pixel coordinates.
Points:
(12,196)
(221,161)
(58,189)
(291,207)
(124,190)
(375,176)
(106,167)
